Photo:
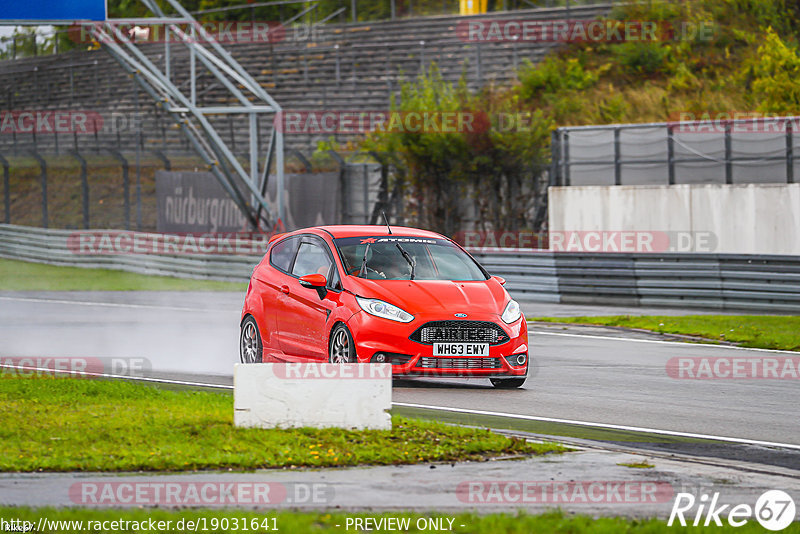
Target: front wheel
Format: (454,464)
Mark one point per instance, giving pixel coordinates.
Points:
(251,348)
(508,383)
(341,348)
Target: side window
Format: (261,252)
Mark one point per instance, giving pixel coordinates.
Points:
(334,282)
(311,259)
(282,253)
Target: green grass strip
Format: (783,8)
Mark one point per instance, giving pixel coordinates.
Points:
(27,276)
(756,331)
(58,424)
(285,521)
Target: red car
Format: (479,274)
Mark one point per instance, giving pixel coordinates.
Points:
(408,297)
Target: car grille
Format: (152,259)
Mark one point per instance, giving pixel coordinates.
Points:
(460,332)
(459,363)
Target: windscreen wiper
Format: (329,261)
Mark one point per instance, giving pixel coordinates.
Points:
(363,269)
(408,258)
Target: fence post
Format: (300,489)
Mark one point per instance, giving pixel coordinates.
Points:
(382,205)
(353,14)
(514,50)
(422,57)
(43,167)
(554,159)
(84,188)
(728,163)
(139,148)
(71,86)
(96,136)
(566,158)
(478,66)
(366,193)
(305,66)
(125,186)
(338,65)
(342,193)
(617,160)
(6,190)
(353,67)
(789,153)
(670,155)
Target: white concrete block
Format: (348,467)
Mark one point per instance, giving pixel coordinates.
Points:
(319,395)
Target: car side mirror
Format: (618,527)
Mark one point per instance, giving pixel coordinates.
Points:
(500,280)
(315,281)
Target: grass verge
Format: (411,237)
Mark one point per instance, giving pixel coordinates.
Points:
(58,424)
(64,520)
(26,276)
(757,331)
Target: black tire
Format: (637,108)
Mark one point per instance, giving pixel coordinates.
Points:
(251,347)
(341,348)
(508,383)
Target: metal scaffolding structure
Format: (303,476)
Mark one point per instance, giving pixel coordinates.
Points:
(247,189)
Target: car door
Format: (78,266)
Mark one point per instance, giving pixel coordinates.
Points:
(274,281)
(303,316)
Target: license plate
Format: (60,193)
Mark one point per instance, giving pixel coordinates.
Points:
(460,349)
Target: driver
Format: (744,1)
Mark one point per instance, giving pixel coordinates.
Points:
(389,266)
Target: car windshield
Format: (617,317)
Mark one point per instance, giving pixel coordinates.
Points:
(432,259)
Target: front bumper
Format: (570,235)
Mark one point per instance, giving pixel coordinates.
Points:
(374,335)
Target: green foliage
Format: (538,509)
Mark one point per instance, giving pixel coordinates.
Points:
(554,74)
(776,76)
(643,57)
(495,154)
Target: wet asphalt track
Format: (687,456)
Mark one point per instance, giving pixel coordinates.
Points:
(584,374)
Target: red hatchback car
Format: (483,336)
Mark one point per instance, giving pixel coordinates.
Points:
(412,298)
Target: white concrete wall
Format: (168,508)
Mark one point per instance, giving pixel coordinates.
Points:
(320,395)
(746,219)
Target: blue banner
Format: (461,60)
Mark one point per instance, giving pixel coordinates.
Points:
(52,10)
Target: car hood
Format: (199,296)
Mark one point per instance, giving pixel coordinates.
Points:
(432,296)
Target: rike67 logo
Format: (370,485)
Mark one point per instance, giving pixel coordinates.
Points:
(774,510)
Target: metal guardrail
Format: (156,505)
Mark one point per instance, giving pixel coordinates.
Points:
(682,280)
(52,246)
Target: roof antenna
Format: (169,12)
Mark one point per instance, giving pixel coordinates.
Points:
(386,221)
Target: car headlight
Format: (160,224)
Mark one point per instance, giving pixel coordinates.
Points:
(511,312)
(383,309)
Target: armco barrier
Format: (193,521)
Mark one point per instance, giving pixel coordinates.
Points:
(681,280)
(50,246)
